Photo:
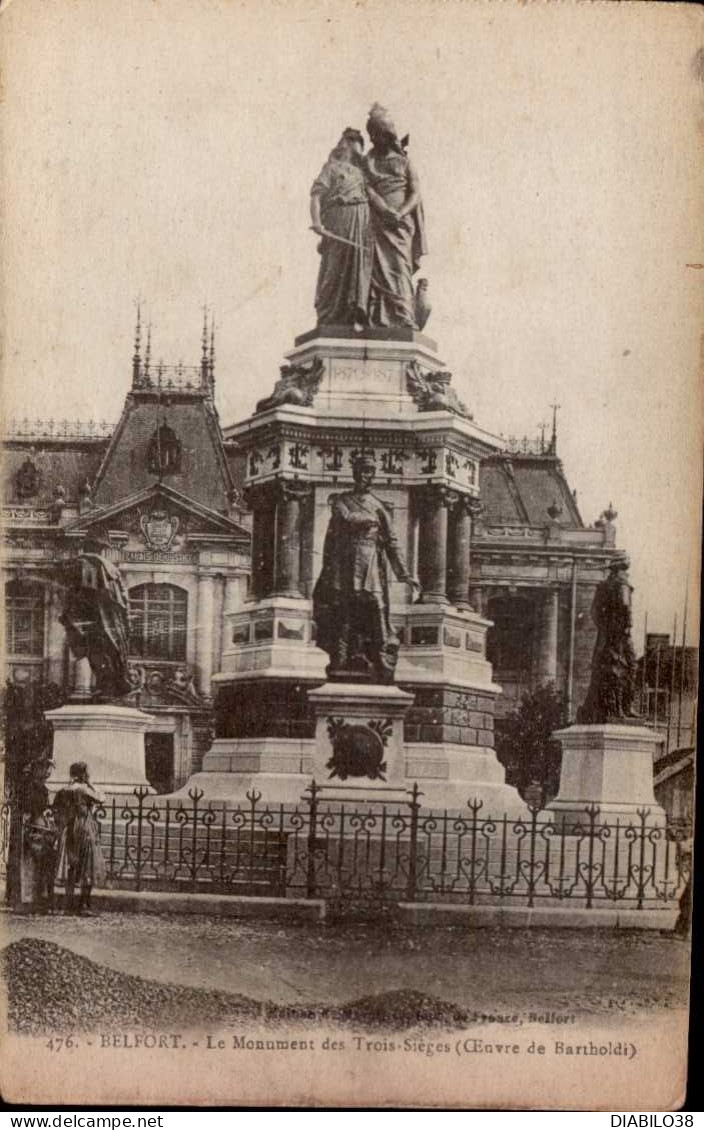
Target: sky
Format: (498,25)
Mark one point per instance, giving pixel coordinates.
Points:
(166,150)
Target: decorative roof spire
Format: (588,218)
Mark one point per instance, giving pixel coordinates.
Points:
(552,450)
(204,350)
(211,357)
(136,356)
(147,354)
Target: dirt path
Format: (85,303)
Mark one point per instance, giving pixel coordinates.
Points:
(571,972)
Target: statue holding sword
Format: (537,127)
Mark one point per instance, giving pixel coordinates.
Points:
(339,209)
(369,214)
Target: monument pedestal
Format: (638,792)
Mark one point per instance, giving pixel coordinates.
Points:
(387,394)
(359,748)
(610,766)
(110,739)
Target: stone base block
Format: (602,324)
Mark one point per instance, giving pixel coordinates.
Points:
(434,914)
(364,375)
(260,755)
(450,715)
(259,709)
(110,739)
(450,776)
(449,773)
(359,735)
(361,797)
(271,639)
(232,788)
(443,645)
(610,766)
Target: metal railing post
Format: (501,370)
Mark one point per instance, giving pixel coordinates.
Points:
(414,805)
(312,830)
(140,792)
(195,795)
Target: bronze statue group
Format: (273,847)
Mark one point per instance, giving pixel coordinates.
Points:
(369,213)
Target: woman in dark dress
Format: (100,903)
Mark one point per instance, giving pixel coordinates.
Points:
(74,815)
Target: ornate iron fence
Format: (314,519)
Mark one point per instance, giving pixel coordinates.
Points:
(395,853)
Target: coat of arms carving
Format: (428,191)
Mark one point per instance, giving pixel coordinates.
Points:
(159,529)
(27,480)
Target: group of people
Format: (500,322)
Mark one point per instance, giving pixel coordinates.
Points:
(369,213)
(59,838)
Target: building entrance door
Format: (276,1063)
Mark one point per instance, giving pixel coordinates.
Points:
(159,761)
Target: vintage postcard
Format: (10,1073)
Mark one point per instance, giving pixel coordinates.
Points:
(352,484)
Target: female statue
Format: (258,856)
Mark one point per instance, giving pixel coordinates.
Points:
(612,687)
(397,224)
(339,209)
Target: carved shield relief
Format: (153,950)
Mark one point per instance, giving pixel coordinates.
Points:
(159,529)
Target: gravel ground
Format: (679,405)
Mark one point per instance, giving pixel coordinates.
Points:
(154,969)
(51,989)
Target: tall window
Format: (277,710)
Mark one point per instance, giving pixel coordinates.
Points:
(158,615)
(24,619)
(510,642)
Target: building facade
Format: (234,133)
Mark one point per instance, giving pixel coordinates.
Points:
(162,491)
(157,492)
(534,571)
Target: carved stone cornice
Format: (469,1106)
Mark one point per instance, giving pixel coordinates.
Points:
(471,506)
(163,683)
(434,495)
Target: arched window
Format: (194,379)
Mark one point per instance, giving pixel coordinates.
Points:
(164,451)
(158,618)
(24,620)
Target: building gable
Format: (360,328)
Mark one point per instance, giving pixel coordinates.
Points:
(161,519)
(172,436)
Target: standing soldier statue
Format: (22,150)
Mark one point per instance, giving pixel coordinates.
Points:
(351,597)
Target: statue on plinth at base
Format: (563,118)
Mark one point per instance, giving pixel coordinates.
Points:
(351,596)
(96,621)
(612,687)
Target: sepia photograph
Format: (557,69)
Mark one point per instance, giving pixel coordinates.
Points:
(351,463)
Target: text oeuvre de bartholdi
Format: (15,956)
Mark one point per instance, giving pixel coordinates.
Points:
(501,1048)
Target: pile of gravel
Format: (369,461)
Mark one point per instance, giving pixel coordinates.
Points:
(52,989)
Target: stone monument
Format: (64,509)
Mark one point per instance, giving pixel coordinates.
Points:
(607,758)
(94,727)
(358,659)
